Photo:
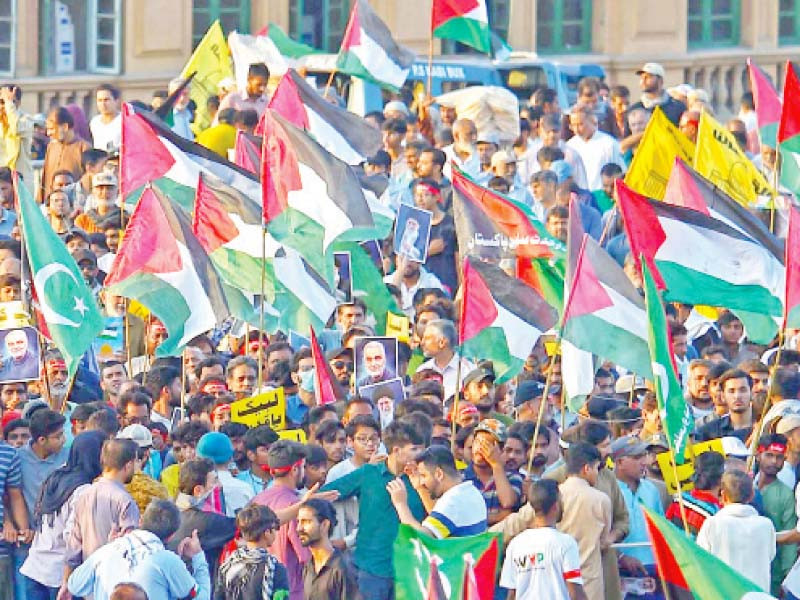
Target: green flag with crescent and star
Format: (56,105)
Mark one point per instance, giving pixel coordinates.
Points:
(65,302)
(676,414)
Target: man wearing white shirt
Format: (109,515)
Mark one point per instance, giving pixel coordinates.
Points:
(595,147)
(410,276)
(550,132)
(106,127)
(438,343)
(462,152)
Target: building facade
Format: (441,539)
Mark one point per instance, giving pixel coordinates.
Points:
(59,50)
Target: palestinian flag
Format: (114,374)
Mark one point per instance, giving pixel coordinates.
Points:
(577,366)
(412,564)
(605,314)
(789,132)
(792,312)
(284,44)
(151,152)
(697,259)
(247,152)
(228,225)
(162,265)
(501,317)
(326,388)
(767,104)
(676,414)
(691,572)
(368,50)
(342,133)
(465,21)
(490,226)
(310,198)
(65,303)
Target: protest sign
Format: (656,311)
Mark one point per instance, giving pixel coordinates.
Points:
(686,470)
(268,408)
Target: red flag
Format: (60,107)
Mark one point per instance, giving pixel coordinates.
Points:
(142,156)
(326,388)
(478,310)
(791,316)
(247,152)
(790,116)
(642,226)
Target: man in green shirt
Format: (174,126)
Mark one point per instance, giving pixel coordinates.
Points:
(377,518)
(779,502)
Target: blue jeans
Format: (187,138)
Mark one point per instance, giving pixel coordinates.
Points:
(20,553)
(374,587)
(37,591)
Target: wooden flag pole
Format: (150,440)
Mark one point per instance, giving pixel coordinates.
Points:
(429,84)
(542,402)
(345,37)
(261,309)
(775,182)
(759,426)
(679,490)
(455,399)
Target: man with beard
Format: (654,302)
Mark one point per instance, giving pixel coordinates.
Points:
(376,369)
(328,575)
(18,360)
(112,376)
(739,422)
(515,450)
(630,454)
(698,395)
(778,501)
(341,363)
(462,152)
(479,391)
(759,375)
(164,384)
(456,507)
(105,508)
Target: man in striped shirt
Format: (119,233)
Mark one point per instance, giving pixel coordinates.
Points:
(455,507)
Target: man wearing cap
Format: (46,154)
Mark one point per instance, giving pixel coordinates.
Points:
(461,152)
(143,488)
(501,490)
(341,363)
(286,460)
(87,263)
(778,501)
(504,164)
(479,390)
(629,454)
(596,148)
(218,448)
(104,191)
(789,426)
(651,82)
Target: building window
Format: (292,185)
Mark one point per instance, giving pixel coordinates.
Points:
(319,23)
(80,36)
(788,22)
(8,35)
(233,15)
(563,26)
(713,23)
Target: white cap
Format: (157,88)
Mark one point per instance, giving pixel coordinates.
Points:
(138,433)
(787,424)
(733,446)
(395,106)
(503,157)
(652,68)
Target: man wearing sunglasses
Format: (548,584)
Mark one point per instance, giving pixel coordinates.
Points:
(341,362)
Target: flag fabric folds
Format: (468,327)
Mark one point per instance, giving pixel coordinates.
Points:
(691,572)
(326,388)
(65,302)
(414,551)
(767,104)
(465,21)
(676,415)
(368,50)
(789,132)
(502,317)
(792,309)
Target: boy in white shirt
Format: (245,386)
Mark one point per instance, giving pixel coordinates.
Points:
(542,562)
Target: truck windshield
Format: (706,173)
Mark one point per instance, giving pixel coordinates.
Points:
(523,80)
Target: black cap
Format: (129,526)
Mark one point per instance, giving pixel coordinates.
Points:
(478,374)
(528,390)
(381,159)
(81,255)
(337,352)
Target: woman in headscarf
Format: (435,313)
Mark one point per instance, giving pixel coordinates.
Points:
(53,515)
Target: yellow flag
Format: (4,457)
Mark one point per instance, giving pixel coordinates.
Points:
(212,61)
(719,159)
(653,159)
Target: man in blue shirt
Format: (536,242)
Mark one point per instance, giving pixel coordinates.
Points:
(628,453)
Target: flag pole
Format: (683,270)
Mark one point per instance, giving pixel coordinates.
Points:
(456,398)
(760,424)
(543,400)
(261,309)
(679,490)
(183,384)
(775,180)
(430,64)
(608,225)
(345,37)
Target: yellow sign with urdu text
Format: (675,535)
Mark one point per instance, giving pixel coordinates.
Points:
(397,326)
(654,157)
(295,435)
(686,470)
(268,408)
(719,158)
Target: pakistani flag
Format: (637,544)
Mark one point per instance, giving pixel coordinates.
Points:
(502,317)
(698,259)
(65,302)
(692,573)
(369,51)
(414,552)
(342,133)
(676,414)
(789,131)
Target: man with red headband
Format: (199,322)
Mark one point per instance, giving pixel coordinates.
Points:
(778,501)
(286,460)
